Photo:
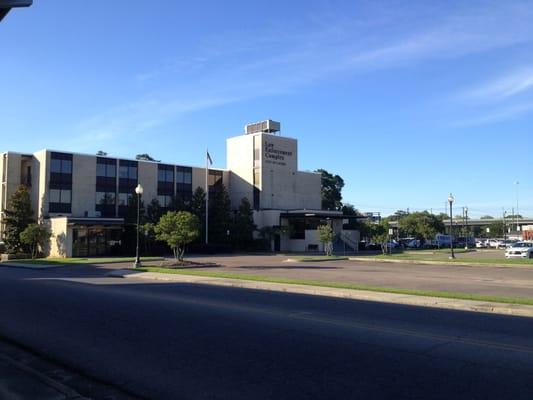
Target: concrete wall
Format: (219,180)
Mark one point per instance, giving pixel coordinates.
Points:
(147,177)
(10,174)
(41,167)
(61,240)
(83,185)
(276,158)
(240,161)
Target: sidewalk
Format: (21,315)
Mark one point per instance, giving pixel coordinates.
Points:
(19,381)
(412,300)
(26,375)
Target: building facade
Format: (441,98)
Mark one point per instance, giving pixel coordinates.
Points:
(84,198)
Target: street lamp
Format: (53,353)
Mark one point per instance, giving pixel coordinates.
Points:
(467,234)
(139,190)
(451,200)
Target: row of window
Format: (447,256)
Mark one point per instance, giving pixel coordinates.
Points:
(59,166)
(109,198)
(60,196)
(130,172)
(167,175)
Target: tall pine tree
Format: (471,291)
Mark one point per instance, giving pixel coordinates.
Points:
(219,215)
(198,209)
(243,227)
(17,218)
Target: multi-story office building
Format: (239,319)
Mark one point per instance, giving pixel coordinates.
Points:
(84,198)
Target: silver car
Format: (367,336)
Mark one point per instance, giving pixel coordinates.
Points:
(520,249)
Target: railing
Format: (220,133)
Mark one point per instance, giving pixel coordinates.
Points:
(347,240)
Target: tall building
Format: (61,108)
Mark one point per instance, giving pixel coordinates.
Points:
(84,198)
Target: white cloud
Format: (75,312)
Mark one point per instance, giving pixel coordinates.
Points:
(503,87)
(236,65)
(498,114)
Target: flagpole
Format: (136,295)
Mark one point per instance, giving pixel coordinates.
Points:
(206,197)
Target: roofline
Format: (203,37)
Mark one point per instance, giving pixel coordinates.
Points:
(120,158)
(261,133)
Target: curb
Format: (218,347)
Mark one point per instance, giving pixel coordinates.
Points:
(68,392)
(354,294)
(318,260)
(30,266)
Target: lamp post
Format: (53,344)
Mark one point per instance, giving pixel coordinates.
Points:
(467,234)
(139,190)
(450,201)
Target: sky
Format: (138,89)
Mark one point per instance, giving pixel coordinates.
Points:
(406,100)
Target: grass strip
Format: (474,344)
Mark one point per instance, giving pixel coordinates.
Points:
(491,261)
(64,261)
(339,285)
(317,258)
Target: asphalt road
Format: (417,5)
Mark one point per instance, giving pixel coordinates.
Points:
(515,281)
(168,341)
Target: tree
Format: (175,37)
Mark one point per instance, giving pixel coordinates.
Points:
(153,211)
(398,215)
(145,157)
(198,202)
(198,207)
(421,225)
(178,229)
(443,216)
(178,204)
(243,226)
(17,218)
(496,229)
(219,215)
(326,236)
(331,190)
(36,237)
(101,153)
(381,234)
(350,210)
(486,217)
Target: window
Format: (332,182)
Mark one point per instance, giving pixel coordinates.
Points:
(60,196)
(297,228)
(124,199)
(60,166)
(106,169)
(105,198)
(187,177)
(165,175)
(164,200)
(127,170)
(215,178)
(184,175)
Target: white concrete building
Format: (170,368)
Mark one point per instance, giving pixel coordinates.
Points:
(84,198)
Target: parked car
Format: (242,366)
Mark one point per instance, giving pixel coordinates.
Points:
(497,243)
(413,244)
(520,249)
(392,244)
(443,240)
(481,244)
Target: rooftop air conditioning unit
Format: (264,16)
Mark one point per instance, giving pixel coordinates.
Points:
(267,126)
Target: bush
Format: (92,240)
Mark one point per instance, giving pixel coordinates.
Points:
(36,237)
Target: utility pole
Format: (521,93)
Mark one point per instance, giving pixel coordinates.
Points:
(504,225)
(467,236)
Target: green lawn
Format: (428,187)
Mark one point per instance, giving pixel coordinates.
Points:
(460,258)
(94,260)
(340,285)
(317,258)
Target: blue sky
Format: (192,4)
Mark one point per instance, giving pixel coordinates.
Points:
(406,100)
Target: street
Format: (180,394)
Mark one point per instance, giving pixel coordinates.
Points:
(172,341)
